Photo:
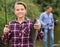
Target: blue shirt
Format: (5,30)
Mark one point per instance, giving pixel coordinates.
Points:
(48,19)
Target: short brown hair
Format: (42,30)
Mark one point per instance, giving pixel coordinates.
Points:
(48,7)
(22,3)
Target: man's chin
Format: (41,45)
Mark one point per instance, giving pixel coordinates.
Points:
(20,16)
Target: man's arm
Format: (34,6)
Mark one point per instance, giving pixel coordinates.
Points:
(41,19)
(52,22)
(6,36)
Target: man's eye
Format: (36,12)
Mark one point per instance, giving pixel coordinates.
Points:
(17,9)
(22,9)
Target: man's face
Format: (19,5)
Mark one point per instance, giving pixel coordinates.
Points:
(19,11)
(49,10)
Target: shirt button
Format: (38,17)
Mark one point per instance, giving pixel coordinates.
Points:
(18,43)
(21,45)
(19,34)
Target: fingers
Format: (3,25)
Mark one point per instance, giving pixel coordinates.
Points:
(6,29)
(52,28)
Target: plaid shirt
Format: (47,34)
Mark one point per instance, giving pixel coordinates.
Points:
(19,34)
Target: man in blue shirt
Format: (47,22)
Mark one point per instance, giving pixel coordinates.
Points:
(47,21)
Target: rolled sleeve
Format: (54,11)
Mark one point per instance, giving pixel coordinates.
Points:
(41,19)
(6,38)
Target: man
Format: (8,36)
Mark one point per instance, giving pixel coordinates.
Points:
(47,22)
(19,30)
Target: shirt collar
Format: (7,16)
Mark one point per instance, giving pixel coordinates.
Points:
(47,13)
(25,20)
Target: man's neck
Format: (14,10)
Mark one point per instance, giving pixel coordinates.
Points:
(48,12)
(20,20)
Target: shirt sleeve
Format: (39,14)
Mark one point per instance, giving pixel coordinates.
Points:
(41,19)
(6,38)
(52,20)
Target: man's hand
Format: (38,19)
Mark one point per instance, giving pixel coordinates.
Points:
(52,27)
(6,29)
(44,24)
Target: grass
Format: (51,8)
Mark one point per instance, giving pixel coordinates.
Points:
(39,43)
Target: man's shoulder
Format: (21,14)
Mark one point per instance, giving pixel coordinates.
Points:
(29,20)
(43,13)
(12,22)
(51,13)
